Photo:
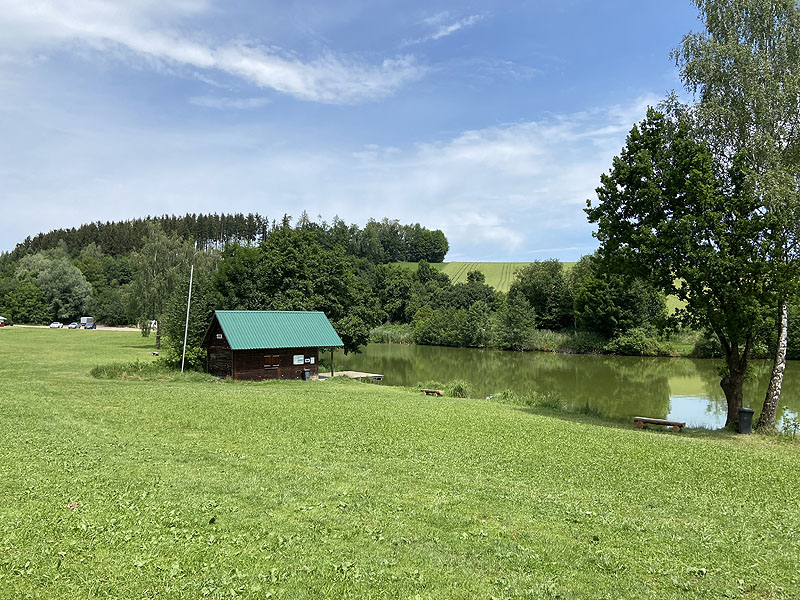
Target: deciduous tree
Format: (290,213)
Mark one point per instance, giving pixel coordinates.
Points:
(663,214)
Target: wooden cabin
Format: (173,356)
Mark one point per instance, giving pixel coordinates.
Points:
(267,344)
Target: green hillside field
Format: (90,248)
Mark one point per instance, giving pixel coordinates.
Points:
(169,486)
(499,275)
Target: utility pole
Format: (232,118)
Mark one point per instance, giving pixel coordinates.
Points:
(186,327)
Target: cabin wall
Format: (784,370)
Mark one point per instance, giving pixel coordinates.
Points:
(278,363)
(219,361)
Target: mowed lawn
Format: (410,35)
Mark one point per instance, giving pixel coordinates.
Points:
(190,489)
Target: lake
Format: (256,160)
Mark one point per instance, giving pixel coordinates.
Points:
(616,387)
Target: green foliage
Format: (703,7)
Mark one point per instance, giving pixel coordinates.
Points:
(392,287)
(173,324)
(26,303)
(476,276)
(430,384)
(292,271)
(458,388)
(639,342)
(571,342)
(453,326)
(544,285)
(159,268)
(707,346)
(392,334)
(745,66)
(379,241)
(611,304)
(515,320)
(791,426)
(663,214)
(64,287)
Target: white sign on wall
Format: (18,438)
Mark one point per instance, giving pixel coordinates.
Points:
(298,359)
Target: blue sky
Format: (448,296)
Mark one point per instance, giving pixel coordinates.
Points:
(489,120)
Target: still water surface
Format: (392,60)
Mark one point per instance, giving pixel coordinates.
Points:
(617,387)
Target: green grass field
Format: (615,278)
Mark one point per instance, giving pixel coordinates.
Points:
(191,489)
(499,275)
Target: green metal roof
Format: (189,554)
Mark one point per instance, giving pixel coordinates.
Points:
(254,329)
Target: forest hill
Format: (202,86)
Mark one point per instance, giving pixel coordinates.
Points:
(379,241)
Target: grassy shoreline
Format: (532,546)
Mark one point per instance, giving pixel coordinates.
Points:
(185,488)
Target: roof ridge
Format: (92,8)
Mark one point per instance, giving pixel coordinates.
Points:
(246,310)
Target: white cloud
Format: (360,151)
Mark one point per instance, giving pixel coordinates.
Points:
(228,103)
(443,29)
(152,30)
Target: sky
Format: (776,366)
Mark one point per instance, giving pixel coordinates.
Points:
(491,121)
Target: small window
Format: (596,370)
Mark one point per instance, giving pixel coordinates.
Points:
(219,336)
(271,361)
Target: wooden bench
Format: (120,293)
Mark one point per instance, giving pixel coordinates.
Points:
(643,422)
(432,392)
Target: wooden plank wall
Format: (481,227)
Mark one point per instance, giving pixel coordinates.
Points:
(256,365)
(220,361)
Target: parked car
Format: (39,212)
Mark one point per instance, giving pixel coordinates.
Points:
(56,325)
(90,325)
(73,325)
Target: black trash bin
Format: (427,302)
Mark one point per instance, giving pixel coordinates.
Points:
(746,420)
(306,374)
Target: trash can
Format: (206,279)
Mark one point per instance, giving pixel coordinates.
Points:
(746,420)
(306,374)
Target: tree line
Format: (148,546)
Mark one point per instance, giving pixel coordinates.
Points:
(378,241)
(123,273)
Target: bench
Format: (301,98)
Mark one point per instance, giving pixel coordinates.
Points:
(432,392)
(643,422)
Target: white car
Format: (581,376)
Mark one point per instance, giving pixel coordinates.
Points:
(56,325)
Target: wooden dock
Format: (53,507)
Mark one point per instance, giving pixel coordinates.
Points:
(351,375)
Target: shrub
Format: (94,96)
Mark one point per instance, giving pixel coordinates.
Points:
(392,334)
(458,388)
(571,342)
(638,342)
(195,357)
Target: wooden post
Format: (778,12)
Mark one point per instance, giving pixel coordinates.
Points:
(331,362)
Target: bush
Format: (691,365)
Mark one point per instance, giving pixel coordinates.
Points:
(639,342)
(195,357)
(458,388)
(392,334)
(570,342)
